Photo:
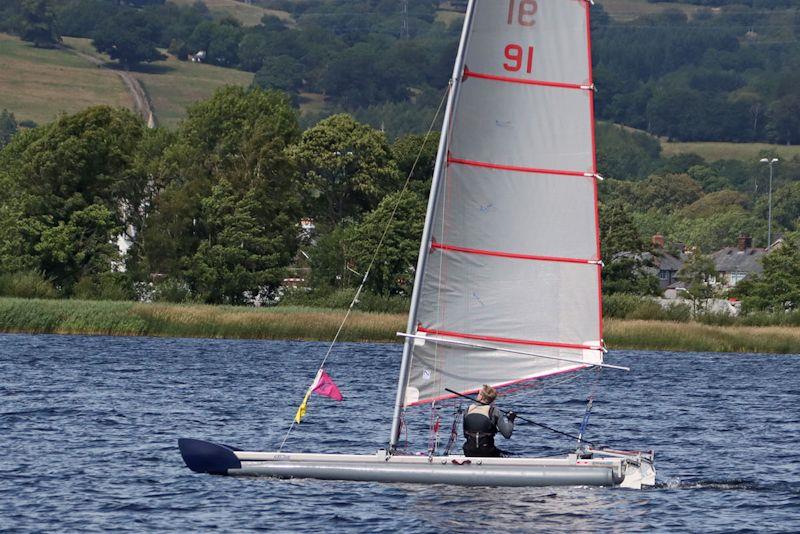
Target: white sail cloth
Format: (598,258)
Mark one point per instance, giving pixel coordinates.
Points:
(514,257)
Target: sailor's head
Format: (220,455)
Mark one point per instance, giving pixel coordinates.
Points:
(487,394)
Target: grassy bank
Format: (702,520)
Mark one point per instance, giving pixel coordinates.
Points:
(297,322)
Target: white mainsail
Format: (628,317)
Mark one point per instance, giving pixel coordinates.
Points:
(510,273)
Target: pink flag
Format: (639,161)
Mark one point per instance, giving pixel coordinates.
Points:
(325,386)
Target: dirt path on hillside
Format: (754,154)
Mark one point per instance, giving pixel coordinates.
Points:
(140,102)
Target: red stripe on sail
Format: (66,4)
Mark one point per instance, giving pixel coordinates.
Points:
(511,341)
(588,9)
(508,79)
(447,396)
(515,168)
(513,255)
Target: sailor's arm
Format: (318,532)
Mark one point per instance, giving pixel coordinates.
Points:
(505,424)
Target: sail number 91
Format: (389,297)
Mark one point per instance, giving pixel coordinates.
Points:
(517,57)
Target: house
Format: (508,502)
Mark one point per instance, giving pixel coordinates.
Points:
(199,57)
(667,263)
(734,264)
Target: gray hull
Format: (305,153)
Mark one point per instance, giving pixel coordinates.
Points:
(627,470)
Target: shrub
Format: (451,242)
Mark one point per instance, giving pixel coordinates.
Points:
(341,298)
(106,286)
(172,290)
(27,285)
(620,305)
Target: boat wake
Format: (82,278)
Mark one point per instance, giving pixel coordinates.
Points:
(709,484)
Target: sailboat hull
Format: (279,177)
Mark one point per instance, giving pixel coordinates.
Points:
(205,457)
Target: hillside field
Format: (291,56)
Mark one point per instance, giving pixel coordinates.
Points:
(172,85)
(626,10)
(37,84)
(247,14)
(712,151)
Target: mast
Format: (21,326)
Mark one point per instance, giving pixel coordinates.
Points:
(424,248)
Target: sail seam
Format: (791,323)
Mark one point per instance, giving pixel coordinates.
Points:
(501,254)
(515,168)
(513,341)
(508,79)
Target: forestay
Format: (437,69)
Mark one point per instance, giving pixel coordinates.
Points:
(514,257)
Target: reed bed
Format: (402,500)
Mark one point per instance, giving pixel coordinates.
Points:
(696,337)
(306,323)
(192,320)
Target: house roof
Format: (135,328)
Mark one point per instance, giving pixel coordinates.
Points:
(731,259)
(668,262)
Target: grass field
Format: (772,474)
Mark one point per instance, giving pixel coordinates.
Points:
(626,10)
(38,84)
(714,150)
(172,85)
(295,322)
(247,14)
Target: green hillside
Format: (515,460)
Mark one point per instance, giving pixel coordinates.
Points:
(172,85)
(37,84)
(713,151)
(247,14)
(627,10)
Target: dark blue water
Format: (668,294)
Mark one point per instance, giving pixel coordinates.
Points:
(88,430)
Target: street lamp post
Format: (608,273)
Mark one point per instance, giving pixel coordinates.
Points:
(770,162)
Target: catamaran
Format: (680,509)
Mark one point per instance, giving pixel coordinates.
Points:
(508,279)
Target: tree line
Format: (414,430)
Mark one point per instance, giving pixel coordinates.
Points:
(722,74)
(212,211)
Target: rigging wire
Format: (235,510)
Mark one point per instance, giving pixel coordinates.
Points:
(377,249)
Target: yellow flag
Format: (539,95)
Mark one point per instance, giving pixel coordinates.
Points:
(301,411)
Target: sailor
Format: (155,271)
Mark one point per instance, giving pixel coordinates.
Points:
(482,422)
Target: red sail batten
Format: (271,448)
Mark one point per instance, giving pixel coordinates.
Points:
(514,168)
(501,254)
(508,79)
(511,341)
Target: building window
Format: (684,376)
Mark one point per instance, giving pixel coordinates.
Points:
(737,276)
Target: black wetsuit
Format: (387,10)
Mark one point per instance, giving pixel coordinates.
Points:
(480,425)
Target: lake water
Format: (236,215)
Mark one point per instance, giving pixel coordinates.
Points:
(88,430)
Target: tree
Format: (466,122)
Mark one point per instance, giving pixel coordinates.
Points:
(237,258)
(8,127)
(393,270)
(37,24)
(667,192)
(64,187)
(283,73)
(228,165)
(714,203)
(413,149)
(628,262)
(784,123)
(626,155)
(777,289)
(346,168)
(785,206)
(698,274)
(129,37)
